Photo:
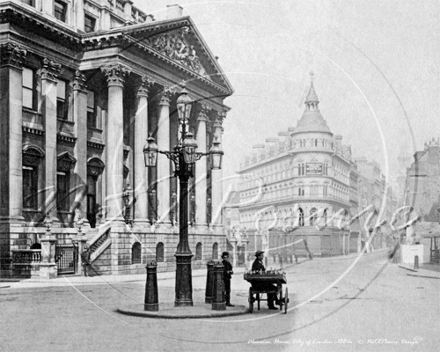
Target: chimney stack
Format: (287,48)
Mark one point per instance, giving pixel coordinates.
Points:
(338,143)
(174,11)
(283,140)
(257,152)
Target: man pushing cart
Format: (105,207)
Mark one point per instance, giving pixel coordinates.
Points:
(266,282)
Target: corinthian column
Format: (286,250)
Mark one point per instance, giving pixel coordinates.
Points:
(80,150)
(201,179)
(217,176)
(11,108)
(116,75)
(140,136)
(163,164)
(49,81)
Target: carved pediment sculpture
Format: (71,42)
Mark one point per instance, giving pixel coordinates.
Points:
(176,46)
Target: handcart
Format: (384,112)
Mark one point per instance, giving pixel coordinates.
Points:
(270,277)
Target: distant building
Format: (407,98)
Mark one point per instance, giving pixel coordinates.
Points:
(374,191)
(84,83)
(236,235)
(303,179)
(422,189)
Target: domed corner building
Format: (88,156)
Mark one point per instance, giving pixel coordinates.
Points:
(84,83)
(301,185)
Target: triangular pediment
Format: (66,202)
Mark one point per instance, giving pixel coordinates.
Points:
(177,45)
(65,162)
(180,42)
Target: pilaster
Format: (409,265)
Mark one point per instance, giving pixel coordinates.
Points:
(80,149)
(49,74)
(11,106)
(201,169)
(163,164)
(105,15)
(47,6)
(140,136)
(217,176)
(79,15)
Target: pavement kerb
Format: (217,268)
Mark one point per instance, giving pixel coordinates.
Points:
(112,279)
(198,311)
(421,272)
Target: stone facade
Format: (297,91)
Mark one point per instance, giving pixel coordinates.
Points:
(422,188)
(84,83)
(376,194)
(236,234)
(297,183)
(305,184)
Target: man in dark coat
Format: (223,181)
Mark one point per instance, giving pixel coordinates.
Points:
(227,275)
(258,265)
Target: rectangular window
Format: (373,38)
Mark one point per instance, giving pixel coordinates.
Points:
(60,10)
(63,190)
(89,24)
(29,89)
(91,112)
(29,2)
(30,187)
(61,100)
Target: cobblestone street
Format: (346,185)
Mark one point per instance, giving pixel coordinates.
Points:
(334,305)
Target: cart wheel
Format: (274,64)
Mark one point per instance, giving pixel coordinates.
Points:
(251,301)
(281,298)
(286,300)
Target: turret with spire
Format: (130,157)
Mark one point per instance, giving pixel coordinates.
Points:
(311,121)
(312,100)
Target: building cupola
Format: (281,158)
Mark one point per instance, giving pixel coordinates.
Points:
(312,100)
(311,121)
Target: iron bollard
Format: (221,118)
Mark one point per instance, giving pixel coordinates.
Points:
(218,293)
(209,277)
(416,262)
(151,302)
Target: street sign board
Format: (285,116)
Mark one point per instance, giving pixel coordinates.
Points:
(313,168)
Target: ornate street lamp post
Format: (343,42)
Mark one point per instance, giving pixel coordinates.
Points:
(183,156)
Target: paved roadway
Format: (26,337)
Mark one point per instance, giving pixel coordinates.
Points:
(337,304)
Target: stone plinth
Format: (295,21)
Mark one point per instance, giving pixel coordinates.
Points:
(409,251)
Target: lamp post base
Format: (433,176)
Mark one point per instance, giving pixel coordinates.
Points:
(183,280)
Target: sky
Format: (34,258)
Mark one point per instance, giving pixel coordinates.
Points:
(376,70)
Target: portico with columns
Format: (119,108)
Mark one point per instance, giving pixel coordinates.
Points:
(82,125)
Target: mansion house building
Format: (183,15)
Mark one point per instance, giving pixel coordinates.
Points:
(83,85)
(297,183)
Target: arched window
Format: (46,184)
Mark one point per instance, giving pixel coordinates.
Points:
(325,190)
(215,251)
(325,217)
(136,253)
(300,190)
(313,216)
(316,142)
(36,246)
(31,159)
(160,253)
(301,217)
(95,167)
(65,165)
(198,251)
(314,189)
(301,169)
